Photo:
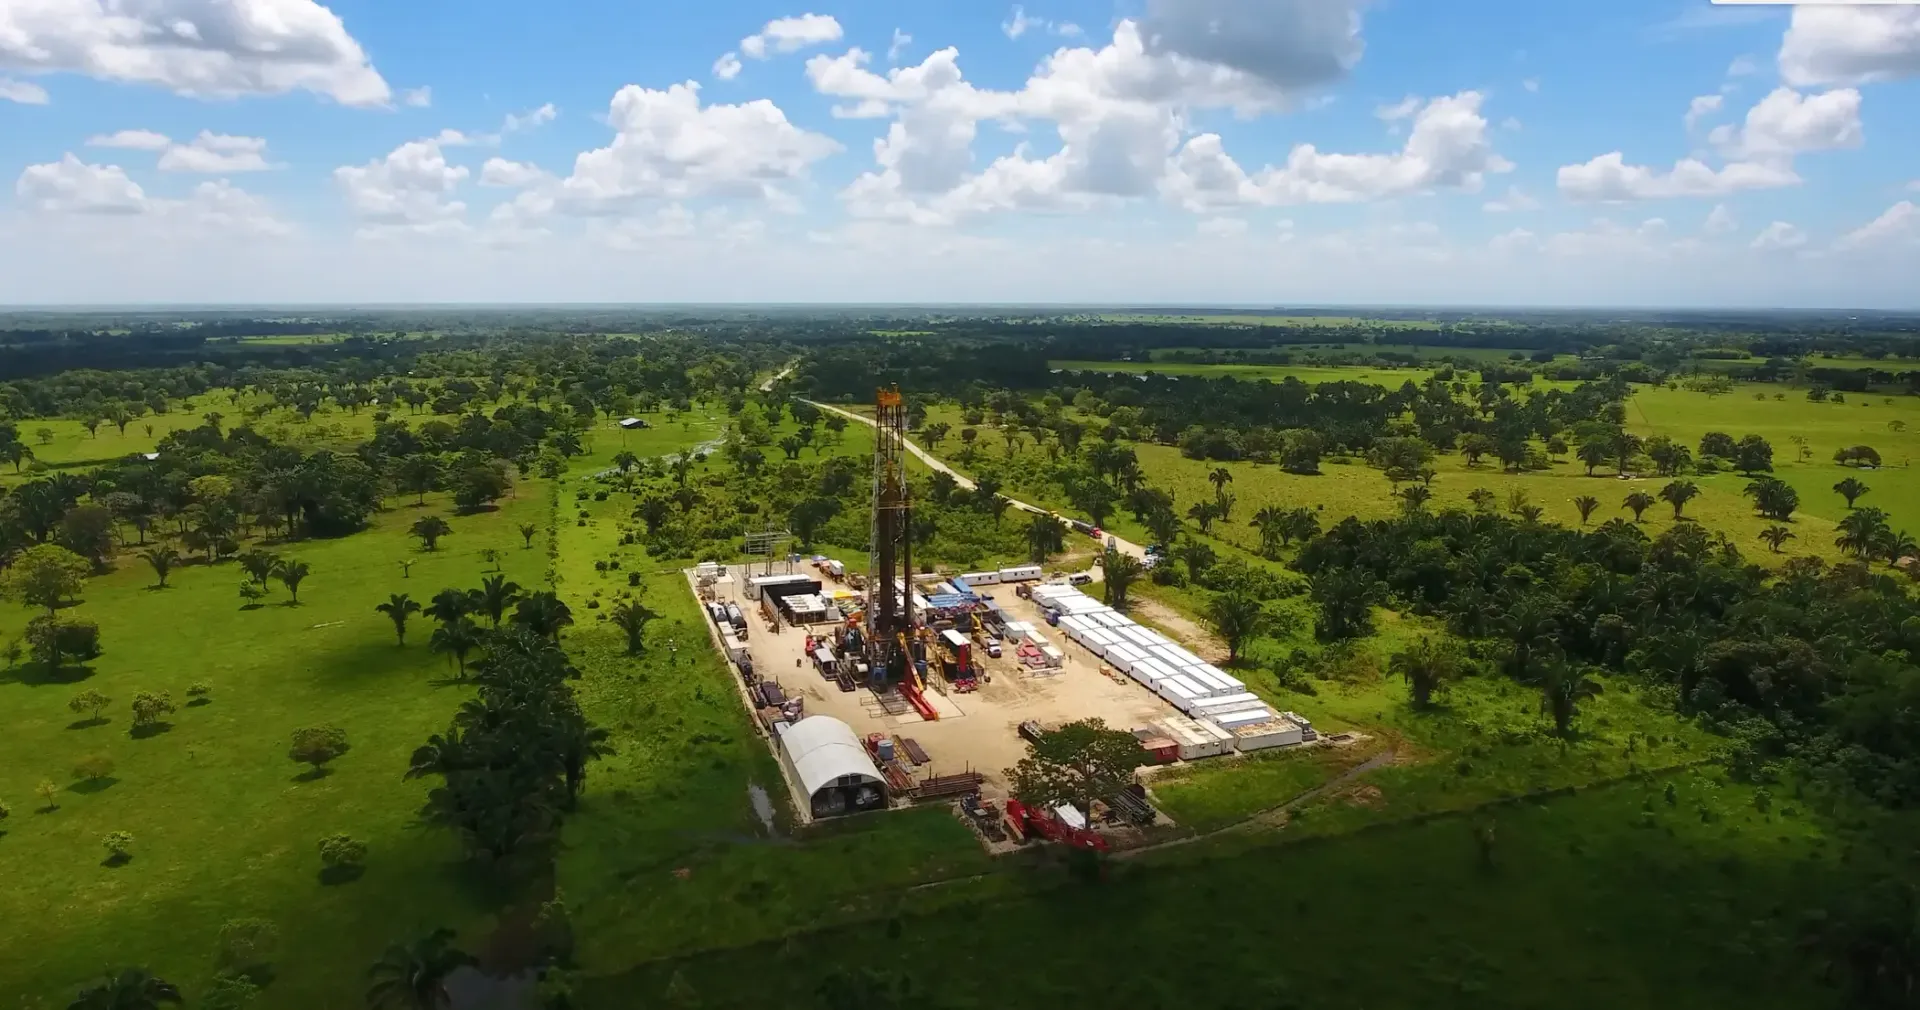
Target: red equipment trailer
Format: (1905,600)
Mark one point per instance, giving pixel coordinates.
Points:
(1027,822)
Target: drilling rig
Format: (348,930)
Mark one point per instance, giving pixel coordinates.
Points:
(889,632)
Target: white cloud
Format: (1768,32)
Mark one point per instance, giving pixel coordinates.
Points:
(1531,84)
(1759,153)
(1785,124)
(898,47)
(1514,201)
(409,190)
(1289,44)
(193,47)
(1743,66)
(1018,26)
(1701,108)
(1779,237)
(1447,148)
(216,154)
(73,188)
(528,120)
(1221,227)
(1827,45)
(1900,224)
(1609,179)
(728,66)
(417,98)
(209,153)
(1720,221)
(1402,109)
(132,140)
(787,35)
(511,174)
(667,145)
(22,92)
(1119,112)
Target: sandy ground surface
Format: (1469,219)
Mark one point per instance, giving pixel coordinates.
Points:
(978,731)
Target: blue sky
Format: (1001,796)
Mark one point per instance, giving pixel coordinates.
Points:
(1639,152)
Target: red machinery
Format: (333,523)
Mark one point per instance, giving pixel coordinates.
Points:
(1026,822)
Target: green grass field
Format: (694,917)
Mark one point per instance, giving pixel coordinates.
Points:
(224,826)
(1604,899)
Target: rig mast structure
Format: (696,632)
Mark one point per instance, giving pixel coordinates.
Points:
(889,617)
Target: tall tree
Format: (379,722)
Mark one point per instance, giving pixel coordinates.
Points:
(163,560)
(1852,489)
(428,530)
(495,596)
(1427,668)
(1678,493)
(1563,687)
(414,976)
(291,574)
(1046,536)
(398,608)
(632,617)
(456,639)
(1239,617)
(1119,571)
(1775,536)
(1585,504)
(1639,502)
(543,614)
(1077,763)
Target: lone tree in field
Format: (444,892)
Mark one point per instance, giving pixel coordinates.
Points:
(291,574)
(1585,504)
(1639,502)
(45,576)
(398,608)
(1563,687)
(414,976)
(1119,571)
(164,560)
(1776,536)
(429,530)
(1428,669)
(527,530)
(129,989)
(148,708)
(317,745)
(1852,489)
(1678,493)
(90,701)
(1078,763)
(1239,617)
(632,618)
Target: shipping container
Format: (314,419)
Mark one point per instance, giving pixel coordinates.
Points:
(1245,717)
(1229,702)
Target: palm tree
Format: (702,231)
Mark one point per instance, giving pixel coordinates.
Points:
(291,574)
(450,605)
(398,608)
(1482,499)
(1775,536)
(1239,617)
(1204,513)
(1851,489)
(1639,502)
(16,453)
(1895,546)
(1414,497)
(430,529)
(1046,535)
(1427,668)
(1220,478)
(495,596)
(1271,521)
(1861,530)
(1119,571)
(1585,504)
(1530,623)
(1678,493)
(544,614)
(163,560)
(1593,454)
(260,566)
(1562,689)
(414,977)
(456,638)
(131,989)
(632,618)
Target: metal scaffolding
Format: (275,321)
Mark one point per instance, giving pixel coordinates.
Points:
(889,616)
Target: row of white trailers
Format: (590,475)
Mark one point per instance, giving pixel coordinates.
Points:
(1222,715)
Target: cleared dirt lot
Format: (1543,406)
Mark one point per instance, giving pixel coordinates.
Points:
(978,731)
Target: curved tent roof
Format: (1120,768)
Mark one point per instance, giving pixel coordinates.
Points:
(823,749)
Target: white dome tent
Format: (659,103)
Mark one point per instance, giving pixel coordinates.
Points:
(831,767)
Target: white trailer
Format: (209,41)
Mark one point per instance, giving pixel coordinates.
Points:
(1020,573)
(982,578)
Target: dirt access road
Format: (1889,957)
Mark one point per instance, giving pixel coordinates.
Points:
(967,482)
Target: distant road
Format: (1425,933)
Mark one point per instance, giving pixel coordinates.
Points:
(967,482)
